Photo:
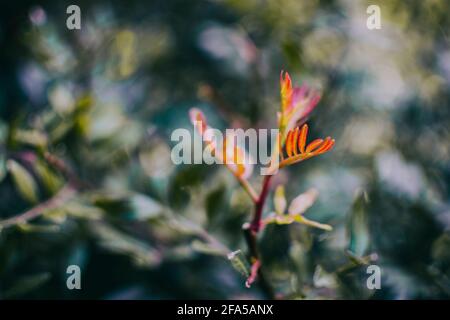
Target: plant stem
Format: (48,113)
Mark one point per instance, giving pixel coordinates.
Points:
(251,231)
(255,225)
(67,192)
(57,200)
(250,238)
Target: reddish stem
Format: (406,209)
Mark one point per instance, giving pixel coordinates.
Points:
(250,231)
(255,225)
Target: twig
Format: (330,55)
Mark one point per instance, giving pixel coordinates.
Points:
(250,238)
(57,200)
(64,194)
(250,233)
(259,205)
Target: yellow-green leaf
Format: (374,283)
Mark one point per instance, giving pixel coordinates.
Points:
(206,248)
(23,180)
(239,262)
(49,179)
(31,137)
(27,227)
(301,219)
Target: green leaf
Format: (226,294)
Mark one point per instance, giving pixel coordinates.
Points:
(61,130)
(301,219)
(121,243)
(291,218)
(23,180)
(27,227)
(239,262)
(206,248)
(31,137)
(357,228)
(80,210)
(49,179)
(57,215)
(133,207)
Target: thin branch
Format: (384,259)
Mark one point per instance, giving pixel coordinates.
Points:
(250,233)
(64,194)
(255,226)
(250,238)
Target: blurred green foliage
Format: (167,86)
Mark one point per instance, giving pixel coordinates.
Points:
(103,101)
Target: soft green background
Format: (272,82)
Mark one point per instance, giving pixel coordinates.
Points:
(106,98)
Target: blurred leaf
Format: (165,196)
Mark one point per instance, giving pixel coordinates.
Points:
(84,211)
(82,119)
(27,227)
(31,137)
(206,248)
(134,207)
(113,204)
(50,180)
(239,262)
(105,124)
(357,226)
(179,252)
(27,284)
(441,251)
(301,219)
(303,202)
(57,215)
(121,243)
(184,226)
(323,279)
(23,180)
(61,129)
(154,160)
(291,218)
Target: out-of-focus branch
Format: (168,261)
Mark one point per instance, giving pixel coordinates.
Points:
(255,226)
(63,195)
(251,232)
(250,238)
(66,192)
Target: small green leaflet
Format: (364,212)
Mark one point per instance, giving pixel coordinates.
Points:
(239,262)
